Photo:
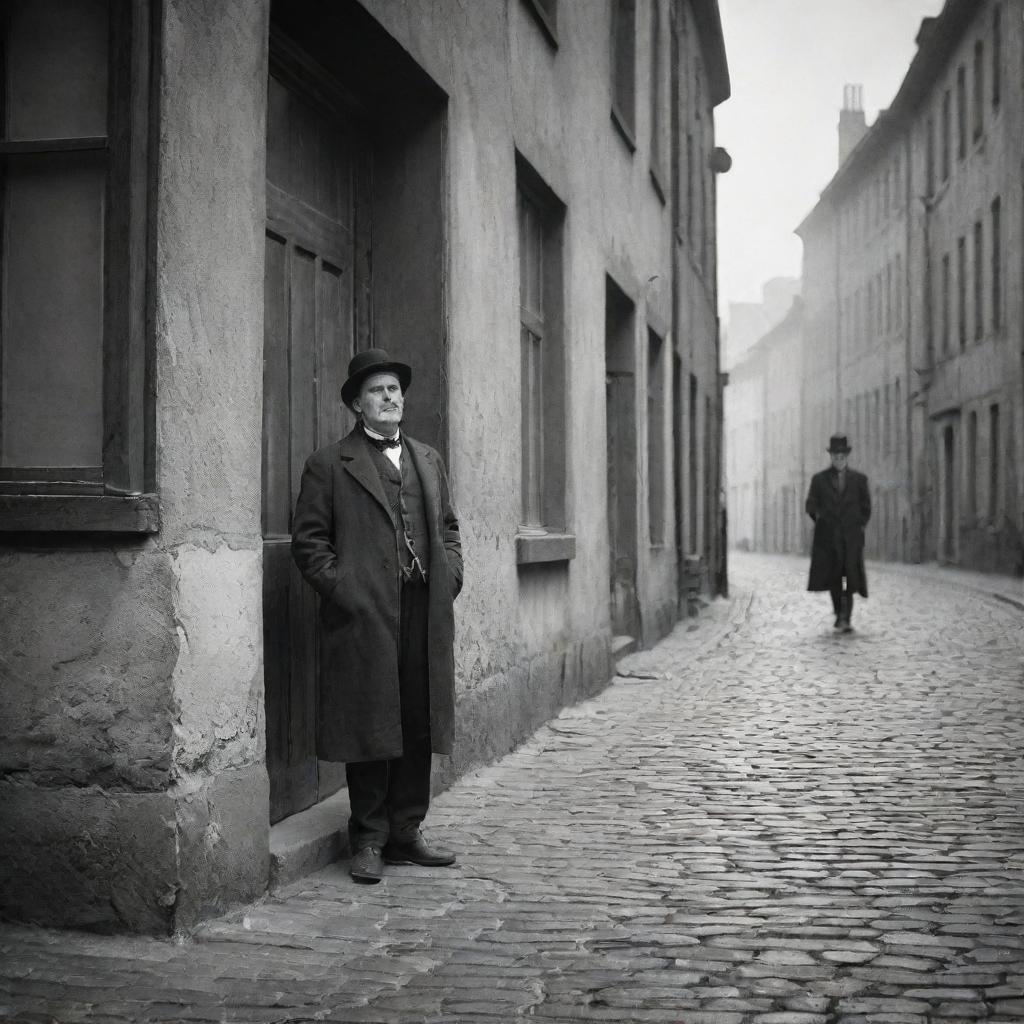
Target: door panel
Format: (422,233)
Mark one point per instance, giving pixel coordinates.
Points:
(621,409)
(312,149)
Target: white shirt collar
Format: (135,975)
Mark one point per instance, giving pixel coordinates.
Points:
(383,437)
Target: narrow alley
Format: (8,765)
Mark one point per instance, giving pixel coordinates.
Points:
(759,821)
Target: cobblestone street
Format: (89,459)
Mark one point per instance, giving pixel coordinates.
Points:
(759,821)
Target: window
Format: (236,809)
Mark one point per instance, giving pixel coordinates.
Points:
(887,420)
(997,54)
(979,295)
(542,383)
(888,297)
(961,112)
(624,68)
(979,89)
(655,438)
(946,129)
(997,269)
(657,120)
(73,162)
(993,463)
(972,465)
(898,403)
(876,423)
(961,289)
(897,313)
(946,286)
(929,155)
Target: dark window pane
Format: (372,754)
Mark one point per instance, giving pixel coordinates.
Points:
(531,264)
(56,63)
(624,60)
(51,406)
(532,427)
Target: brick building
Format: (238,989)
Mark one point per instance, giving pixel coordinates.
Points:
(208,206)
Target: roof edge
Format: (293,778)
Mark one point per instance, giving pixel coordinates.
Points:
(937,40)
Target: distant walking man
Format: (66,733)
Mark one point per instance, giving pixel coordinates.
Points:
(840,505)
(376,536)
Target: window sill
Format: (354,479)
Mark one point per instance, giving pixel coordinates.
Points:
(547,547)
(73,513)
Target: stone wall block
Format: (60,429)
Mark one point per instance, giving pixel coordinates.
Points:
(218,680)
(89,650)
(85,858)
(223,842)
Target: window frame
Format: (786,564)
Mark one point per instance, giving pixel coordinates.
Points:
(658,112)
(657,462)
(947,281)
(979,280)
(971,465)
(997,264)
(961,291)
(121,496)
(994,465)
(961,112)
(548,540)
(979,90)
(997,56)
(623,69)
(946,148)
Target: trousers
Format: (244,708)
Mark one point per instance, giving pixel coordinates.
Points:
(838,592)
(390,799)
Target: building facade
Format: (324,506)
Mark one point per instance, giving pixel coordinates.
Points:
(764,416)
(516,197)
(914,314)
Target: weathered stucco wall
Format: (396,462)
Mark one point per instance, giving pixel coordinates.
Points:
(209,369)
(133,790)
(533,638)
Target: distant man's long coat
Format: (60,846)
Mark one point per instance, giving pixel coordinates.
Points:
(344,542)
(839,521)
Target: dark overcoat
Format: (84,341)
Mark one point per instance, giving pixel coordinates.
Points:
(839,521)
(345,543)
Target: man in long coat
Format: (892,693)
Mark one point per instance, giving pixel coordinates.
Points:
(376,536)
(839,502)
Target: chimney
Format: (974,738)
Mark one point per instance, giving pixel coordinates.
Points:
(852,126)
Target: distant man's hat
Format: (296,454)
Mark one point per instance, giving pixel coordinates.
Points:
(373,360)
(837,444)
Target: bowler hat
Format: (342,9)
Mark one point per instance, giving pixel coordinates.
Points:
(373,360)
(837,444)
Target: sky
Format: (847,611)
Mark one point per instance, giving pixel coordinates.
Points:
(788,62)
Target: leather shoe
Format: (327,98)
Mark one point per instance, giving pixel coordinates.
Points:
(367,865)
(416,851)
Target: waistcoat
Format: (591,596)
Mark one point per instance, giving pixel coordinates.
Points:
(403,489)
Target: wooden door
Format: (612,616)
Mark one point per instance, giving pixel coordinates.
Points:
(622,526)
(314,319)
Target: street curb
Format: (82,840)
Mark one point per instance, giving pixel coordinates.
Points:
(951,578)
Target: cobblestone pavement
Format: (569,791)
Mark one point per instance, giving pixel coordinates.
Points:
(760,821)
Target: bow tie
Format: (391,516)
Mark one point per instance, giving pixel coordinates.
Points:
(383,443)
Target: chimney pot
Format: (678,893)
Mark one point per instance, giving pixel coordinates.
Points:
(852,125)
